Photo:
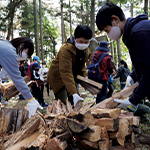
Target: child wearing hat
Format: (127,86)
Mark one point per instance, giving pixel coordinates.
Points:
(106,66)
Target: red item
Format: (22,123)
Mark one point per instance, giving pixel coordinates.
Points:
(29,71)
(106,65)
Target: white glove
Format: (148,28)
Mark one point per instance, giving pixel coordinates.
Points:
(123,102)
(76,98)
(129,82)
(41,78)
(33,105)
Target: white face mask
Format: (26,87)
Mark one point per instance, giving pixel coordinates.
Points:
(23,56)
(81,46)
(115,33)
(43,66)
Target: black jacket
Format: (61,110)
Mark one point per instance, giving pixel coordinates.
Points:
(122,72)
(137,39)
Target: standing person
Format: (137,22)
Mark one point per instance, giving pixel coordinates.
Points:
(136,36)
(43,72)
(10,53)
(106,66)
(23,67)
(4,78)
(70,62)
(122,72)
(34,60)
(36,91)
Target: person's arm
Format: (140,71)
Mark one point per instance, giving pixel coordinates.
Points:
(35,76)
(10,64)
(65,69)
(118,73)
(142,47)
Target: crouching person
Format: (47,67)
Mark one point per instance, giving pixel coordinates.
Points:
(70,62)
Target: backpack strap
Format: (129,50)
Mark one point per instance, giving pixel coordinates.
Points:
(101,57)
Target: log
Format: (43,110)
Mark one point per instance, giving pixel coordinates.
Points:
(90,82)
(122,132)
(88,144)
(56,144)
(109,102)
(78,106)
(9,88)
(27,129)
(109,123)
(65,136)
(86,106)
(105,145)
(12,119)
(69,106)
(90,88)
(75,126)
(106,113)
(104,134)
(93,134)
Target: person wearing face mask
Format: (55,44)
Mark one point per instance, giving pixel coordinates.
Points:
(12,52)
(43,72)
(135,34)
(68,63)
(35,60)
(122,72)
(36,91)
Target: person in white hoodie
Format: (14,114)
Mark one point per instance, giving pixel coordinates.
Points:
(43,72)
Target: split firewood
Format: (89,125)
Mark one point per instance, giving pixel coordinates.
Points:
(78,106)
(27,129)
(110,123)
(106,113)
(12,119)
(122,132)
(69,106)
(105,145)
(104,134)
(90,82)
(109,103)
(56,144)
(9,88)
(88,144)
(93,134)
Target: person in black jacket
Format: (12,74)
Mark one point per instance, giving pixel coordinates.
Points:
(136,37)
(123,72)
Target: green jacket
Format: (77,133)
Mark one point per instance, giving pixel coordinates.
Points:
(61,72)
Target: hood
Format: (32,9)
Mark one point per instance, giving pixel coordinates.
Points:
(71,40)
(129,24)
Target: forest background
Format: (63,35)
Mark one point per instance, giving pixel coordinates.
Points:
(50,22)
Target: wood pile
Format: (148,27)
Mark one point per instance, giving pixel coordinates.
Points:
(64,127)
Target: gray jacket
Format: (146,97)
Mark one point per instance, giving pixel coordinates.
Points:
(4,75)
(9,61)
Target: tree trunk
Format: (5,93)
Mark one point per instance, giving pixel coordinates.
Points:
(146,7)
(92,26)
(41,33)
(111,48)
(118,51)
(82,14)
(131,8)
(36,29)
(87,13)
(70,18)
(62,22)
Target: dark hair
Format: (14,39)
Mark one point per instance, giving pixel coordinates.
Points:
(104,14)
(26,43)
(83,31)
(124,63)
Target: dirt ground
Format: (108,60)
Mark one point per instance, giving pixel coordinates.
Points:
(20,104)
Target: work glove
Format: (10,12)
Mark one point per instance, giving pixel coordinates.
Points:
(123,102)
(33,105)
(41,78)
(129,82)
(76,98)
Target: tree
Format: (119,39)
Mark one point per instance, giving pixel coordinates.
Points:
(41,34)
(36,29)
(146,6)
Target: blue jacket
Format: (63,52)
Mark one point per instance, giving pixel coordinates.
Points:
(137,39)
